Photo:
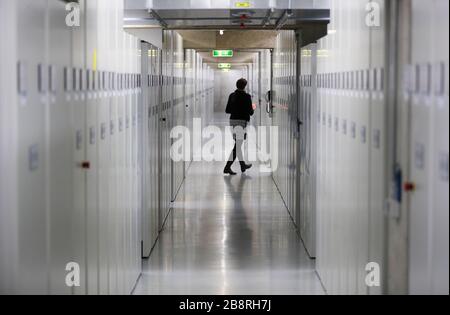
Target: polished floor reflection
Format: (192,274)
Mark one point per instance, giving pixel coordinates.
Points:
(228,236)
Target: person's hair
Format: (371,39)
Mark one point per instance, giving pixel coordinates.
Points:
(241,84)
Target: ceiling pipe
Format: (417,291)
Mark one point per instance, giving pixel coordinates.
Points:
(268,17)
(158,18)
(283,19)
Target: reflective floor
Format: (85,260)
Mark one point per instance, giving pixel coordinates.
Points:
(228,236)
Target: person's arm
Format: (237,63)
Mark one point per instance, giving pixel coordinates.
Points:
(250,106)
(229,109)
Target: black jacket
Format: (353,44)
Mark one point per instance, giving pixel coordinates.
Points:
(240,106)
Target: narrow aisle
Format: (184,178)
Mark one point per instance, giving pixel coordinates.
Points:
(228,236)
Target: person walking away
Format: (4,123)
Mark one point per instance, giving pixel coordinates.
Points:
(240,107)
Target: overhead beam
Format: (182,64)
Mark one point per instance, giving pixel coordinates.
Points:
(268,17)
(231,39)
(160,20)
(283,20)
(229,4)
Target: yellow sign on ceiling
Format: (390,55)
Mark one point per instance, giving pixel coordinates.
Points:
(242,4)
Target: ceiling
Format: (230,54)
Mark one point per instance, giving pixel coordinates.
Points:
(226,19)
(232,39)
(240,57)
(254,26)
(226,14)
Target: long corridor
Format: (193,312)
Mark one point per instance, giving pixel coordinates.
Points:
(115,130)
(228,236)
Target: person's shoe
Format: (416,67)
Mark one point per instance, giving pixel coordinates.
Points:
(229,171)
(245,167)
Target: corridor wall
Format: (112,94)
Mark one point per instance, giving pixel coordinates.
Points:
(351,182)
(189,88)
(166,117)
(151,92)
(424,94)
(253,89)
(174,110)
(266,119)
(74,190)
(179,107)
(331,145)
(200,82)
(349,114)
(344,131)
(173,85)
(264,110)
(284,117)
(352,150)
(8,149)
(258,73)
(208,93)
(305,216)
(203,97)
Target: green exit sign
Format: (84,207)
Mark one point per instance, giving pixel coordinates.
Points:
(223,53)
(224,65)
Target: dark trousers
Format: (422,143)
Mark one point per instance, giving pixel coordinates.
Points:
(236,153)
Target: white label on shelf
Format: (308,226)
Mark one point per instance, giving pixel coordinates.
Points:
(120,125)
(92,135)
(363,134)
(22,80)
(33,157)
(79,140)
(419,156)
(103,131)
(443,166)
(377,139)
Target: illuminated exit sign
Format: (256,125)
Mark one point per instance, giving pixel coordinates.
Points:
(223,53)
(224,65)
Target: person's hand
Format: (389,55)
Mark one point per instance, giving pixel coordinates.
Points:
(254,106)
